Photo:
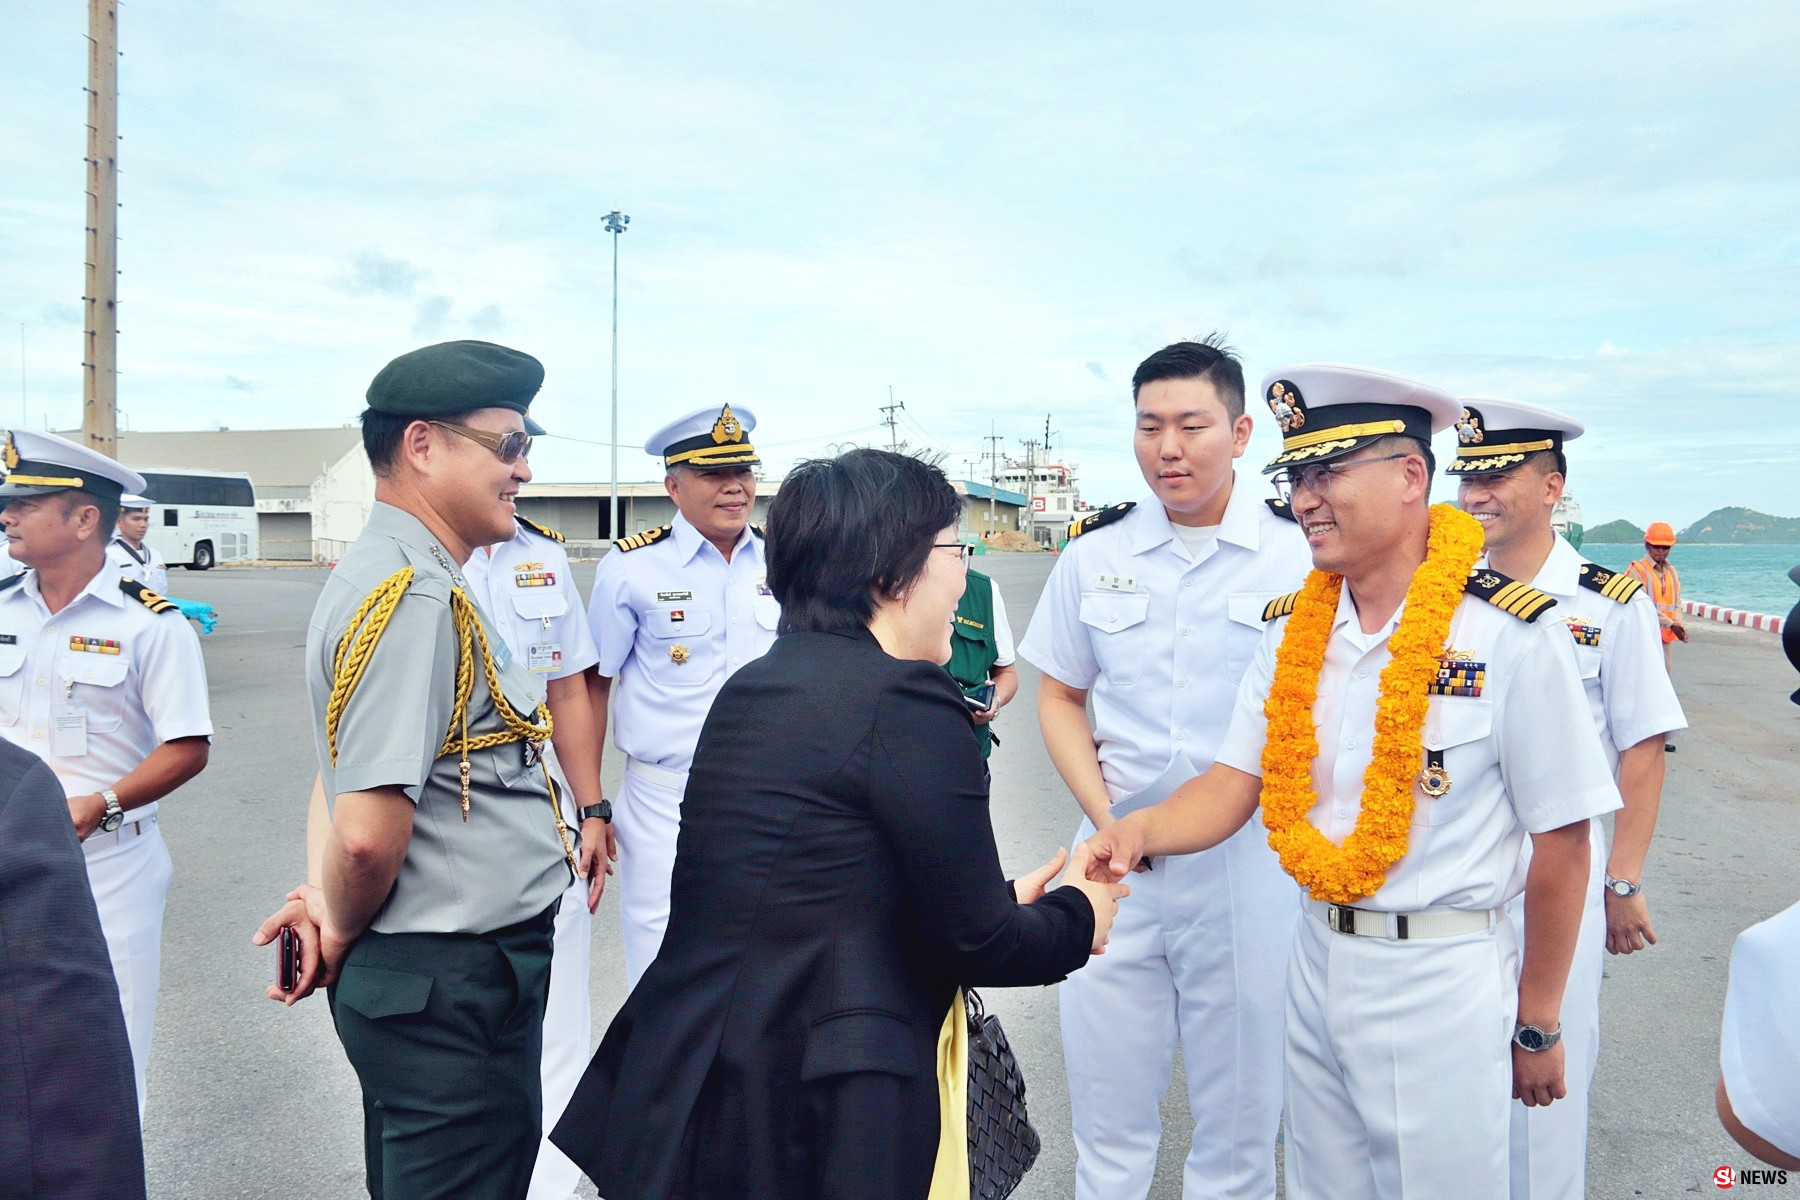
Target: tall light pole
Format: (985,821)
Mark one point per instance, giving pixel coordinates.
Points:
(615,223)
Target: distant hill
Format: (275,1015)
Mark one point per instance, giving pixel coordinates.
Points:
(1622,533)
(1741,527)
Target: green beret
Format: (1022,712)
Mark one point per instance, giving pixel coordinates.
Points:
(455,377)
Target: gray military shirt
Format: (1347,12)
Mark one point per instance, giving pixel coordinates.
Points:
(506,863)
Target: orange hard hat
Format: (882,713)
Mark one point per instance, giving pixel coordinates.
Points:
(1659,534)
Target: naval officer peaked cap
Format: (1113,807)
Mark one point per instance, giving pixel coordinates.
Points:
(130,503)
(1497,435)
(458,377)
(40,463)
(706,437)
(1327,410)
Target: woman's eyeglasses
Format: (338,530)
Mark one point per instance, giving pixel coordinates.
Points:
(510,447)
(967,549)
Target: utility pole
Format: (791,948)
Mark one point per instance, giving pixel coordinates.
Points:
(100,363)
(1031,448)
(615,223)
(892,422)
(993,457)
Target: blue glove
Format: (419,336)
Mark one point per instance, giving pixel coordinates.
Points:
(196,611)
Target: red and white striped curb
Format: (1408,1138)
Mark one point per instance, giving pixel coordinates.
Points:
(1733,616)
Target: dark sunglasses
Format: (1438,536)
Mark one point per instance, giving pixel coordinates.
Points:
(510,447)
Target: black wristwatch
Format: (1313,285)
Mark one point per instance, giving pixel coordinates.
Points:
(597,812)
(1530,1037)
(1623,887)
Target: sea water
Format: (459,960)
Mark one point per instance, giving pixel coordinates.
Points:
(1752,578)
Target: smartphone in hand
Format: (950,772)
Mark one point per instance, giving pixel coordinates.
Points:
(983,699)
(287,959)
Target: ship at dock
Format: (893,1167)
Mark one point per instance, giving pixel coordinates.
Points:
(1565,518)
(1053,497)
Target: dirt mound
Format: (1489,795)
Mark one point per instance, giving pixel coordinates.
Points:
(1011,539)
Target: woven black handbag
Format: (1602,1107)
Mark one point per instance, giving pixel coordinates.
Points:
(1002,1143)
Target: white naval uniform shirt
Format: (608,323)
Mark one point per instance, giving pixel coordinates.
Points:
(152,690)
(1522,756)
(1759,1050)
(527,593)
(1158,639)
(672,620)
(1622,670)
(150,570)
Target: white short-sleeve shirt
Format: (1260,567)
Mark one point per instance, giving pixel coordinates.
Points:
(1004,650)
(1618,649)
(94,688)
(144,565)
(1759,1046)
(1522,755)
(1159,637)
(527,593)
(672,620)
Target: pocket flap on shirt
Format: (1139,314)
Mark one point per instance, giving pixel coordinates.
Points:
(539,602)
(1454,720)
(1246,608)
(678,621)
(11,659)
(101,670)
(1110,612)
(377,992)
(864,1039)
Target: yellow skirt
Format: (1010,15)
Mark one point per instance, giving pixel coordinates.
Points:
(950,1177)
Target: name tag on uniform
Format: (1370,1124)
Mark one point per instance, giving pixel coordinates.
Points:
(544,657)
(502,652)
(68,731)
(1116,583)
(669,597)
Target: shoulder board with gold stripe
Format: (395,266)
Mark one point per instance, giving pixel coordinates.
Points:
(1104,517)
(14,582)
(638,541)
(536,528)
(1282,509)
(154,601)
(1280,606)
(1614,585)
(1508,595)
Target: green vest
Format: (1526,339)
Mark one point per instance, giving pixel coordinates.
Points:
(972,647)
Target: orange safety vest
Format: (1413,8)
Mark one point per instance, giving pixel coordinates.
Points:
(1665,590)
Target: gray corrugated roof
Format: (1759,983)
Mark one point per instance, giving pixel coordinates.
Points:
(273,457)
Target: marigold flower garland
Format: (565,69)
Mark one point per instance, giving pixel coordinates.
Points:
(1342,874)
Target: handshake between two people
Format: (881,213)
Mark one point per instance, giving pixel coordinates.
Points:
(1092,879)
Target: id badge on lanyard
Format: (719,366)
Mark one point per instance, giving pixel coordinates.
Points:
(544,657)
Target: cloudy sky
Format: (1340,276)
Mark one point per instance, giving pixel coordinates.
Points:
(994,210)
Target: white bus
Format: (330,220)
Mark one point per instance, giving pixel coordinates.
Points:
(199,518)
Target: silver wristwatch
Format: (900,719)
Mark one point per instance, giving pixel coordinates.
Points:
(1623,887)
(1530,1037)
(115,812)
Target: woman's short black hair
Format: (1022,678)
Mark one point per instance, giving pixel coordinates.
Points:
(846,531)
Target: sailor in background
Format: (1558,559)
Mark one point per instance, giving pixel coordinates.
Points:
(1510,466)
(102,679)
(527,592)
(675,611)
(136,558)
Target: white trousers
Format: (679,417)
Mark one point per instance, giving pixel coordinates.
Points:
(1549,1145)
(130,873)
(568,1036)
(646,822)
(1399,1065)
(1196,958)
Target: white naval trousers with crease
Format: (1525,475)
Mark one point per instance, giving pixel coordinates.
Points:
(1549,1143)
(1369,1020)
(568,1023)
(646,822)
(1186,963)
(130,872)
